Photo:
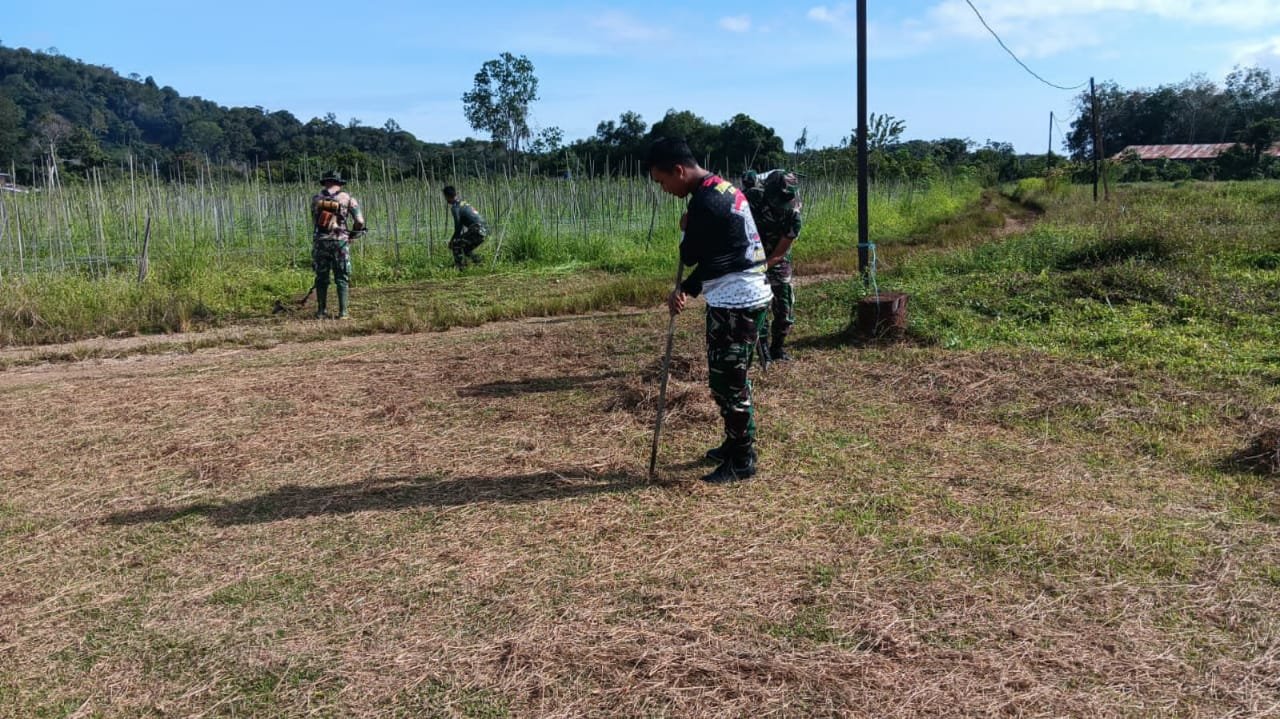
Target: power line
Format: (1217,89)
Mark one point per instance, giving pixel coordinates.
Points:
(1060,131)
(1015,57)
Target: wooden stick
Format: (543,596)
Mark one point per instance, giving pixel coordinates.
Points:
(666,367)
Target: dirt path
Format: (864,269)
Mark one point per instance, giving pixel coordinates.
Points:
(268,333)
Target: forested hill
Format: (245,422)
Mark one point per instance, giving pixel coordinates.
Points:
(94,116)
(91,116)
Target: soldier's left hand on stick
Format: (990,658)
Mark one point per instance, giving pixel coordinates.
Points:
(676,301)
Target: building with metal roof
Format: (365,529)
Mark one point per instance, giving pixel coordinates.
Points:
(1183,152)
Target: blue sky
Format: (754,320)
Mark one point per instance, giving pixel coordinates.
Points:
(788,65)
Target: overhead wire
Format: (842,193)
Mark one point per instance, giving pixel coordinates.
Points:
(1015,57)
(870,277)
(1061,132)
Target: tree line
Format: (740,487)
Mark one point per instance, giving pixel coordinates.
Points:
(1244,110)
(62,113)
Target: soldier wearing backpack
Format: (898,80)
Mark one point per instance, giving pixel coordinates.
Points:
(337,219)
(469,229)
(775,205)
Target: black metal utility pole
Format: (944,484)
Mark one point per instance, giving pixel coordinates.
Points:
(864,244)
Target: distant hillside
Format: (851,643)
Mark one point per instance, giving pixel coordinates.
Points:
(89,116)
(92,116)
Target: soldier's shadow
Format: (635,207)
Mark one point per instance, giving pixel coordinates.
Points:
(536,384)
(391,494)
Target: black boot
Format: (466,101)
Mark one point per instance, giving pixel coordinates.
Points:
(734,469)
(777,353)
(322,299)
(342,303)
(718,454)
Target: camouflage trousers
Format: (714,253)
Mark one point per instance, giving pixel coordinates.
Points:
(331,255)
(731,340)
(784,304)
(463,246)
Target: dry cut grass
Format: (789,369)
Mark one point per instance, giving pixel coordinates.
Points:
(458,524)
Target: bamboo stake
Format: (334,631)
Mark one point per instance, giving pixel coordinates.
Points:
(144,260)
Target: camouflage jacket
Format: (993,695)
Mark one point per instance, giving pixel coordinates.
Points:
(465,218)
(334,216)
(774,221)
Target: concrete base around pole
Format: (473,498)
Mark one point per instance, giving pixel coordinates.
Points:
(882,316)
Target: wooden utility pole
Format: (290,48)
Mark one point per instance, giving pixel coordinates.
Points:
(1097,139)
(1048,161)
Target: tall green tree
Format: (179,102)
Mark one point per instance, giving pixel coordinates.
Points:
(1194,111)
(11,133)
(1259,136)
(499,101)
(747,144)
(82,148)
(627,132)
(701,135)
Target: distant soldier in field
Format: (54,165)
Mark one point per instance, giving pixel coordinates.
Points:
(469,229)
(775,205)
(720,238)
(337,219)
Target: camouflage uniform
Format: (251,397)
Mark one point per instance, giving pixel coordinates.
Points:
(776,209)
(469,231)
(722,241)
(731,341)
(335,216)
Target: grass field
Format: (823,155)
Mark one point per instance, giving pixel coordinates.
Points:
(1036,505)
(224,253)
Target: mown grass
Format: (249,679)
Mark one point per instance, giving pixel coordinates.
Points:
(971,523)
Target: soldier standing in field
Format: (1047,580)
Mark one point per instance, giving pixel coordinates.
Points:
(720,239)
(337,219)
(775,206)
(469,229)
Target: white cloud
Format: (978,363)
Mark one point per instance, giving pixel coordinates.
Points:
(1262,54)
(822,13)
(611,33)
(623,27)
(737,23)
(1044,28)
(837,17)
(1234,13)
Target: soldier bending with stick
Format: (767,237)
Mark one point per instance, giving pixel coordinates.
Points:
(720,239)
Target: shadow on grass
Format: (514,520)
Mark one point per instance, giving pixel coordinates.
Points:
(834,340)
(1261,457)
(849,337)
(535,384)
(391,494)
